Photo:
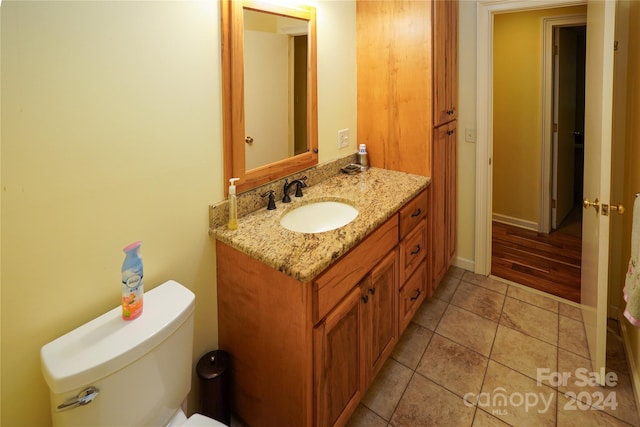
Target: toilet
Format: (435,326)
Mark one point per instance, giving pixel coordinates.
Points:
(114,372)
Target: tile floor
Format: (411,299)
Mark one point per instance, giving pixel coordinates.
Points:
(484,353)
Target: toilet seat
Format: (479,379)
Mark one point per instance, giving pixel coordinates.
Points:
(198,420)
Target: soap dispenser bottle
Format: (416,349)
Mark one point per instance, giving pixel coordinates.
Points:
(233,205)
(132,287)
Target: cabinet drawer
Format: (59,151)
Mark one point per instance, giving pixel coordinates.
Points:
(334,284)
(412,213)
(412,294)
(413,250)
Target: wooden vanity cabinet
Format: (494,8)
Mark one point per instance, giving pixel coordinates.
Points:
(414,262)
(352,343)
(303,354)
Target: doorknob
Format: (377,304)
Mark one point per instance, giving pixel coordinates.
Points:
(587,204)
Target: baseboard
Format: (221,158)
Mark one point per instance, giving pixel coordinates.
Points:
(466,264)
(517,222)
(633,367)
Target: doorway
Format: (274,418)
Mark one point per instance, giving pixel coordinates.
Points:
(566,132)
(537,154)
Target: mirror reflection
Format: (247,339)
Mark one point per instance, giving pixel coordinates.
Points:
(269,90)
(275,87)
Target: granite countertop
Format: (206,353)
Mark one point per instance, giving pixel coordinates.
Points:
(376,193)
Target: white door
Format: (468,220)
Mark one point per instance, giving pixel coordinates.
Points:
(597,177)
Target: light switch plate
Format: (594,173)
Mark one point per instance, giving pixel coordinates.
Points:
(343,138)
(470,135)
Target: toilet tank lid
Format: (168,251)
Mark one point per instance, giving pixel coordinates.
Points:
(109,343)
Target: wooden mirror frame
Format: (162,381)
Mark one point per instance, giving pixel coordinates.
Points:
(233,116)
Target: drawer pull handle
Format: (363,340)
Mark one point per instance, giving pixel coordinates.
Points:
(372,291)
(418,249)
(416,213)
(365,298)
(418,292)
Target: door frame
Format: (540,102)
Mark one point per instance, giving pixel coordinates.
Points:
(546,158)
(486,9)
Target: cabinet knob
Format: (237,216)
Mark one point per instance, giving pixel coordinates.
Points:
(372,291)
(365,298)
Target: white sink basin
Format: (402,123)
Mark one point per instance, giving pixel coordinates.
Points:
(317,217)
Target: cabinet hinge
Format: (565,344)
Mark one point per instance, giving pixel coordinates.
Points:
(555,127)
(553,203)
(555,49)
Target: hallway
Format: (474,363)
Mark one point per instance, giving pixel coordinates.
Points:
(546,262)
(488,342)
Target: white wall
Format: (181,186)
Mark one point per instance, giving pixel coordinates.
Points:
(111,132)
(466,150)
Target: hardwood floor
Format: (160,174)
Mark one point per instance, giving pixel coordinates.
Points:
(547,262)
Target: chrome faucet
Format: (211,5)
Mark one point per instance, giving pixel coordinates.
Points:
(300,184)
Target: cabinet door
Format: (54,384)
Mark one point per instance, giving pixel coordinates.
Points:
(444,199)
(445,61)
(337,368)
(439,251)
(380,311)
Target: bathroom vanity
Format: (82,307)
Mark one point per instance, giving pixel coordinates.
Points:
(310,318)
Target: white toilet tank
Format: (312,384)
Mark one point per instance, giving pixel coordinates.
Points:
(141,369)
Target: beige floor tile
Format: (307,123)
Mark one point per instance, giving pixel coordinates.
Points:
(517,399)
(483,419)
(572,369)
(364,417)
(429,313)
(456,272)
(616,358)
(427,404)
(468,329)
(412,344)
(446,288)
(570,311)
(479,300)
(531,320)
(485,281)
(453,366)
(571,336)
(523,353)
(572,414)
(386,390)
(533,298)
(626,405)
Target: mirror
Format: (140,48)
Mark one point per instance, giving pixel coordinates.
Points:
(269,90)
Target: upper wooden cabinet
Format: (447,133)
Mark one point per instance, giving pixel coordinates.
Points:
(445,61)
(395,83)
(407,54)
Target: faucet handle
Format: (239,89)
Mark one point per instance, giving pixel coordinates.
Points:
(271,205)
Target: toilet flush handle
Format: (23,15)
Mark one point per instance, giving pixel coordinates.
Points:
(85,397)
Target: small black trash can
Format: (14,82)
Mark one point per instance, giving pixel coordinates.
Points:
(215,385)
